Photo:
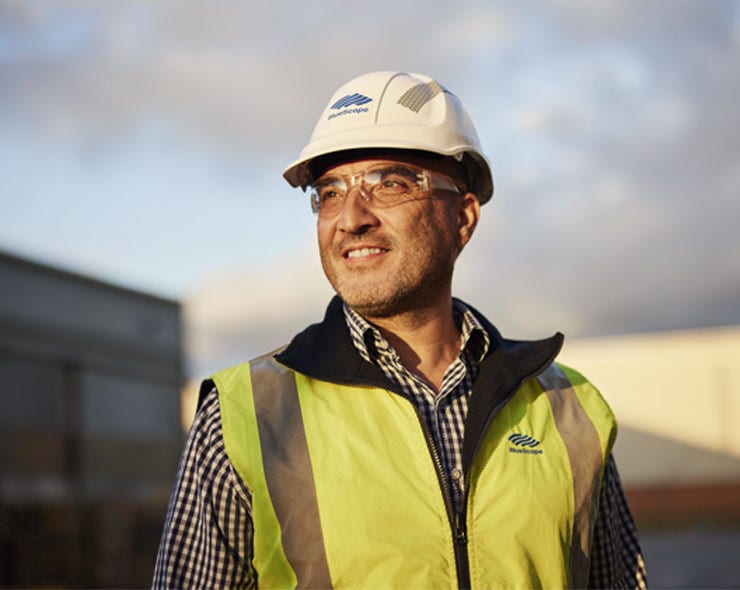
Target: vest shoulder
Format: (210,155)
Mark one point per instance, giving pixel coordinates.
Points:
(239,369)
(575,377)
(588,394)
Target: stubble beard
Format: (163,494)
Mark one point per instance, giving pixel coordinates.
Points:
(417,284)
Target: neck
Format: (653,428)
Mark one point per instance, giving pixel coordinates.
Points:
(426,340)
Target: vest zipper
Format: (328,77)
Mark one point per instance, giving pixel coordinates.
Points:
(462,561)
(458,522)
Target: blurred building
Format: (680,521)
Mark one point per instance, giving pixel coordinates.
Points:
(90,429)
(676,396)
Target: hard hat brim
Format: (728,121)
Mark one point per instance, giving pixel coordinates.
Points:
(300,174)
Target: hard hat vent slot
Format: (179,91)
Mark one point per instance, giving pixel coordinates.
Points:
(417,96)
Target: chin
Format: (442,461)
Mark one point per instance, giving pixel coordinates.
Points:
(376,305)
(366,301)
(381,299)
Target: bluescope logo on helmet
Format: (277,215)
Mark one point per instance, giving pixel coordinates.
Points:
(344,106)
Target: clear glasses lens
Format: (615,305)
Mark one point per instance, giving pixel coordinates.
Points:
(382,186)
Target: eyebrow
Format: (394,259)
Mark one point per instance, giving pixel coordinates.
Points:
(390,168)
(395,169)
(326,180)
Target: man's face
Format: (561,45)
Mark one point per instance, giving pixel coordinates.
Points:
(387,261)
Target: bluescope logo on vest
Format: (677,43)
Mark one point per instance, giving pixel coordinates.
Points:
(524,444)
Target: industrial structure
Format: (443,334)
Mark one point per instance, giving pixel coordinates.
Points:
(90,429)
(676,395)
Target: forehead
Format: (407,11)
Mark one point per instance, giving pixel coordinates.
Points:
(354,167)
(350,163)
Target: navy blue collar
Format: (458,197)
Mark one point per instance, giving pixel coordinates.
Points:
(325,351)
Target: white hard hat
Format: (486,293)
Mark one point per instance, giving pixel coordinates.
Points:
(396,110)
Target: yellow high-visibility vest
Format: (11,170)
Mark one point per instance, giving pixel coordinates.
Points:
(346,485)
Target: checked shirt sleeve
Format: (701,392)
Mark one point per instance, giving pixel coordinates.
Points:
(616,557)
(207,538)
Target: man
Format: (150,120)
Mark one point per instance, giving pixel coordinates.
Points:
(401,442)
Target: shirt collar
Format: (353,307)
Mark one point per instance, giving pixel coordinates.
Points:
(371,344)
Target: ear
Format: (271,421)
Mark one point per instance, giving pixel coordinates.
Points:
(467,218)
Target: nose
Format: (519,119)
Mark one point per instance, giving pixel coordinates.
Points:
(356,215)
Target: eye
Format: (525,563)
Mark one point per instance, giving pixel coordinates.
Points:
(328,193)
(397,180)
(394,182)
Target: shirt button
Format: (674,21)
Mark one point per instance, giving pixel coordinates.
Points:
(456,475)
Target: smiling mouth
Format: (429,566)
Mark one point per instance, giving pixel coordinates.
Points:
(363,252)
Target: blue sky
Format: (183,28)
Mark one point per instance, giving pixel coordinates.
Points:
(142,143)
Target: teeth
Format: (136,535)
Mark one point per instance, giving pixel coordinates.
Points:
(363,252)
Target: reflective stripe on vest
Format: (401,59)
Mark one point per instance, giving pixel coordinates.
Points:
(280,473)
(586,463)
(288,471)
